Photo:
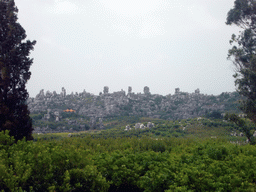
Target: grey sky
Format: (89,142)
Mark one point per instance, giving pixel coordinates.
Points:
(162,44)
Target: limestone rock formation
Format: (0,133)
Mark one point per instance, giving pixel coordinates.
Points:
(181,105)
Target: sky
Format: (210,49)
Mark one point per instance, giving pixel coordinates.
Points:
(162,44)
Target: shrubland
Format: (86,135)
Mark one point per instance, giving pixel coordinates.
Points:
(202,159)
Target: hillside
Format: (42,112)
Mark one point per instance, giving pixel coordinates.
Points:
(89,111)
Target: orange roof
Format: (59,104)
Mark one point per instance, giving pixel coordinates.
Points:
(69,110)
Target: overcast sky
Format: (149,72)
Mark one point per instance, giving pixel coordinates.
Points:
(162,44)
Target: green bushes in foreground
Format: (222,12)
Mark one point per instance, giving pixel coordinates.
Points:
(47,167)
(126,164)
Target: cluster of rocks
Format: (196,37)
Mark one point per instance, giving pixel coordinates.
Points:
(241,134)
(139,126)
(181,105)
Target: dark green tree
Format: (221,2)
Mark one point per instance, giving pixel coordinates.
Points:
(14,73)
(243,55)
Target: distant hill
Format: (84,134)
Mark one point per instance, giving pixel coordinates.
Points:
(93,109)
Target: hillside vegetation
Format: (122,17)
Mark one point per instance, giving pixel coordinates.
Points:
(202,157)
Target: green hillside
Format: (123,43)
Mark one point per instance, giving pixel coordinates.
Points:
(202,157)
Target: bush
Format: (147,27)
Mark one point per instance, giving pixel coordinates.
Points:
(126,164)
(86,179)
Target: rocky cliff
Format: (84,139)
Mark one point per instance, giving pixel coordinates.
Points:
(180,105)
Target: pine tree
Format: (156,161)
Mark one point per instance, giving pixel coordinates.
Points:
(14,73)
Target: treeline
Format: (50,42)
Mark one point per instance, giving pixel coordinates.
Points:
(126,164)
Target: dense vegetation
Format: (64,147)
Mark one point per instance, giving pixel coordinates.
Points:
(163,158)
(69,121)
(185,128)
(14,73)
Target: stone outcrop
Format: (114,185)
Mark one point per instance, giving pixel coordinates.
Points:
(140,126)
(180,105)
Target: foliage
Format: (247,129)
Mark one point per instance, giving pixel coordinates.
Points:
(244,124)
(126,164)
(214,115)
(70,115)
(48,167)
(186,128)
(35,117)
(243,53)
(14,73)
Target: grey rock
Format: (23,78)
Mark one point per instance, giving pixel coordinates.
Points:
(181,105)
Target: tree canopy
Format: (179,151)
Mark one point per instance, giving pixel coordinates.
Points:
(14,73)
(243,55)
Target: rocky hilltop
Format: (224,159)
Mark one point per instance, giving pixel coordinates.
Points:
(181,105)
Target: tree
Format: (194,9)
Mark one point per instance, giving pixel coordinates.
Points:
(243,55)
(14,73)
